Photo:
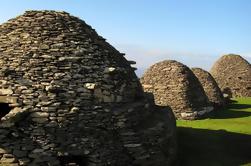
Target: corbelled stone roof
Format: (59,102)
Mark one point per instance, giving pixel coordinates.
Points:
(76,99)
(38,46)
(174,84)
(210,86)
(233,75)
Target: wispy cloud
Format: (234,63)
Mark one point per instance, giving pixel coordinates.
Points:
(145,57)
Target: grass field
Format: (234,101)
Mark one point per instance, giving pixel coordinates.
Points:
(224,139)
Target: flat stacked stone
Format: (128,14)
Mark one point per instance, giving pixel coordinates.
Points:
(233,75)
(175,85)
(210,86)
(75,99)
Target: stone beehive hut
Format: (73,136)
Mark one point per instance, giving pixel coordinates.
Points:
(67,97)
(233,75)
(174,84)
(210,86)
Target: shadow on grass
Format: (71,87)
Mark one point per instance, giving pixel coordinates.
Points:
(202,147)
(239,106)
(232,101)
(229,114)
(232,111)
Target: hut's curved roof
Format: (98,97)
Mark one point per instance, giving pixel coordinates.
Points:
(233,75)
(174,84)
(210,86)
(40,45)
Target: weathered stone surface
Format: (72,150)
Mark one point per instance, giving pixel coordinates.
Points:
(174,84)
(210,86)
(3,151)
(6,92)
(39,114)
(14,116)
(90,86)
(233,75)
(40,120)
(84,103)
(8,99)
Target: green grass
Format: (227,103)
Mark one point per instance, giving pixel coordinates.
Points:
(224,139)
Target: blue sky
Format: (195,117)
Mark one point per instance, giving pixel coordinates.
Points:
(194,32)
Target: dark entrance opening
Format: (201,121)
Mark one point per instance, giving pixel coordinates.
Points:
(4,109)
(76,160)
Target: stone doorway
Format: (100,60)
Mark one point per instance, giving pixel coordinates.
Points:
(4,109)
(7,105)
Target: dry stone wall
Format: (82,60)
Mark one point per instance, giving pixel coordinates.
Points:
(175,85)
(233,75)
(74,99)
(210,86)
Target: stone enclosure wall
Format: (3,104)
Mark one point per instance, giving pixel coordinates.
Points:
(73,98)
(175,85)
(233,75)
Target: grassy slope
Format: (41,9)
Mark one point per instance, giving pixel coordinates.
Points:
(223,139)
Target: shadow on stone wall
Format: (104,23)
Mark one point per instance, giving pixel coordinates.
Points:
(199,147)
(94,137)
(81,140)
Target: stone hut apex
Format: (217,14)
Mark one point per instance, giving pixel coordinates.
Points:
(69,97)
(233,75)
(174,84)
